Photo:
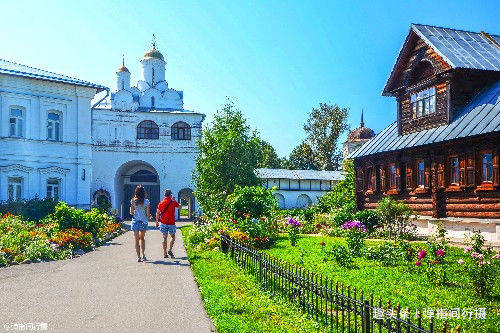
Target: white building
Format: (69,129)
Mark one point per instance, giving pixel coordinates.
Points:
(298,188)
(357,138)
(54,143)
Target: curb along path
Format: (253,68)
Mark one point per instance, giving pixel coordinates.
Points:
(107,290)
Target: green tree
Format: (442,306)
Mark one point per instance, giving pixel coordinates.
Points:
(323,128)
(228,155)
(302,158)
(268,158)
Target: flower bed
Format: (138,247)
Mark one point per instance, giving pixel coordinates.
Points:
(60,235)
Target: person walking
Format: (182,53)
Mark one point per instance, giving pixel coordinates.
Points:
(165,216)
(139,209)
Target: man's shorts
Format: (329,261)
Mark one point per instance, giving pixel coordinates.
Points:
(168,228)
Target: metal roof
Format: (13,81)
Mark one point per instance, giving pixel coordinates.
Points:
(458,48)
(462,49)
(12,68)
(480,116)
(298,174)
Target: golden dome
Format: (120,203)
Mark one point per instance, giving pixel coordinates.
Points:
(123,69)
(153,53)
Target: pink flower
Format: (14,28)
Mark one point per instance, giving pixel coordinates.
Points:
(421,254)
(440,253)
(480,263)
(496,256)
(436,261)
(461,262)
(418,263)
(467,249)
(220,232)
(474,255)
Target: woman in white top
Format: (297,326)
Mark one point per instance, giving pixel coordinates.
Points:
(139,209)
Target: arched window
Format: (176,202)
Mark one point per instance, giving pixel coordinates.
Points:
(143,176)
(181,131)
(148,129)
(16,120)
(152,102)
(54,126)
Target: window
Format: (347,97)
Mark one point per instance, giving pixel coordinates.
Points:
(14,188)
(454,171)
(152,101)
(181,131)
(421,174)
(423,102)
(487,167)
(53,126)
(392,175)
(16,123)
(148,129)
(53,187)
(143,176)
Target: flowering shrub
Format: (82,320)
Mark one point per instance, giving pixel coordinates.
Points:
(394,217)
(481,265)
(369,218)
(69,217)
(433,260)
(355,234)
(74,238)
(256,201)
(293,230)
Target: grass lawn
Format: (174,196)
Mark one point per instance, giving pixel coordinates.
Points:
(234,300)
(401,284)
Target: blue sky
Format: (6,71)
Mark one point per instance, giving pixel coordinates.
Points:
(276,59)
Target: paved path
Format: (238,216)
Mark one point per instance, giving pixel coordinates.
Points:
(107,290)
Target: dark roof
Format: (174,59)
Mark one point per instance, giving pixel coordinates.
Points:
(12,68)
(298,174)
(458,48)
(480,116)
(360,133)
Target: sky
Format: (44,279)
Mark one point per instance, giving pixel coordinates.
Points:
(275,59)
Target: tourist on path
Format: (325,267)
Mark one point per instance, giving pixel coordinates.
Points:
(139,209)
(165,215)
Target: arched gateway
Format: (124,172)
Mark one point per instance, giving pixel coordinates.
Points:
(128,176)
(186,199)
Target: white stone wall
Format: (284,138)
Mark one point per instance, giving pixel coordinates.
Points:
(291,194)
(33,157)
(116,148)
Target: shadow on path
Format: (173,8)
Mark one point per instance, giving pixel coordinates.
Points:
(173,262)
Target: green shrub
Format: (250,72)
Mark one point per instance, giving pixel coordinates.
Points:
(341,194)
(394,217)
(388,254)
(369,218)
(254,200)
(343,214)
(32,209)
(69,217)
(342,256)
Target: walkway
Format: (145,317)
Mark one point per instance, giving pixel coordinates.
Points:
(107,290)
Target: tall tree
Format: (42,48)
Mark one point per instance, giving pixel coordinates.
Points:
(268,158)
(228,156)
(324,126)
(302,158)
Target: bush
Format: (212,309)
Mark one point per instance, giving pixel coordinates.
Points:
(355,234)
(32,210)
(344,214)
(388,254)
(394,217)
(256,201)
(342,256)
(69,217)
(341,194)
(369,218)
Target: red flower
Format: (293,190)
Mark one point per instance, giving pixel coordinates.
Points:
(418,263)
(319,226)
(239,213)
(322,243)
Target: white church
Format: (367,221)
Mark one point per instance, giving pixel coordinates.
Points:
(55,143)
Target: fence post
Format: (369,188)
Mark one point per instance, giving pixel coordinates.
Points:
(260,268)
(366,317)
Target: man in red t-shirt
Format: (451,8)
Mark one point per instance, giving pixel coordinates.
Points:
(165,214)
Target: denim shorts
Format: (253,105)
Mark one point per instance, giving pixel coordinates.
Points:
(168,228)
(138,226)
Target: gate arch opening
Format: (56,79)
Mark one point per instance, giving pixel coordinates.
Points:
(128,176)
(186,200)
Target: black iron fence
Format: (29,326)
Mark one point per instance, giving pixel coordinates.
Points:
(338,307)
